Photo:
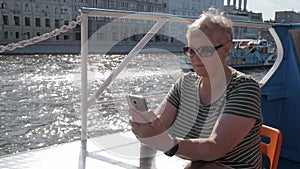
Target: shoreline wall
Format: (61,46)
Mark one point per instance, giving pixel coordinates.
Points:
(74,48)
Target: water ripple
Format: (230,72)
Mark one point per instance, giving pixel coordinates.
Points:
(40,96)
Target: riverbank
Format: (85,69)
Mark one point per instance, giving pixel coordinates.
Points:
(73,47)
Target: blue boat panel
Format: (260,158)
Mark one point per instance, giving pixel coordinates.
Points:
(280,97)
(288,164)
(275,92)
(296,42)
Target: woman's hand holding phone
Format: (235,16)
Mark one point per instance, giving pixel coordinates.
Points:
(138,108)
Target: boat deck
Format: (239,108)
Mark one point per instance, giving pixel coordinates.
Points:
(66,156)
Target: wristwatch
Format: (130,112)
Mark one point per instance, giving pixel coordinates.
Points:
(174,149)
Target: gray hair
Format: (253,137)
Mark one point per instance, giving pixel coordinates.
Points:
(212,21)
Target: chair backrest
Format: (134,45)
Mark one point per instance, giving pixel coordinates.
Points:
(271,149)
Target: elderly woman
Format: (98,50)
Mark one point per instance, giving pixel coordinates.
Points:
(214,111)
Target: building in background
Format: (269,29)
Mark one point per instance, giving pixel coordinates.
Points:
(26,19)
(191,7)
(29,18)
(234,4)
(287,17)
(21,20)
(236,12)
(239,12)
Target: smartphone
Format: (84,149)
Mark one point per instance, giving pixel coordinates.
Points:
(139,104)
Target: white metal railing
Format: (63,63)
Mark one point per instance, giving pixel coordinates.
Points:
(160,19)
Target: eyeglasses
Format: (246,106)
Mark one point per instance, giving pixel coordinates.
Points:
(204,51)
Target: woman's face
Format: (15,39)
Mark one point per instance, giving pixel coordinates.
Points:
(213,56)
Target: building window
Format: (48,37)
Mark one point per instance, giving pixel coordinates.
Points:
(66,37)
(37,8)
(66,22)
(38,34)
(27,21)
(27,35)
(131,7)
(133,38)
(47,22)
(157,38)
(17,20)
(4,5)
(17,35)
(16,6)
(77,36)
(114,36)
(5,35)
(38,22)
(112,5)
(26,7)
(187,5)
(47,9)
(57,37)
(5,20)
(150,8)
(122,4)
(141,7)
(124,36)
(65,11)
(56,10)
(56,22)
(101,36)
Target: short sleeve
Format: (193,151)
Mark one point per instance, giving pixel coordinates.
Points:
(244,99)
(174,93)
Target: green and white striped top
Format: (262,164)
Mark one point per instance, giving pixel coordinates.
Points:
(195,120)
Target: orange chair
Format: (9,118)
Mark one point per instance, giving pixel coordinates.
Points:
(271,149)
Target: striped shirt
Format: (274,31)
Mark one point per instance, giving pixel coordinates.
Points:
(195,120)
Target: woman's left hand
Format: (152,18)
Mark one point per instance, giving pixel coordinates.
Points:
(154,134)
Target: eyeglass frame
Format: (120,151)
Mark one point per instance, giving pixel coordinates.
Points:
(197,51)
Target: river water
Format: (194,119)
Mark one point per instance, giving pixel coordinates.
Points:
(40,95)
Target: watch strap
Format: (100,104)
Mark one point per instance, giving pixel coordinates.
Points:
(174,149)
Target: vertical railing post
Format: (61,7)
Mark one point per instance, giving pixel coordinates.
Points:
(84,89)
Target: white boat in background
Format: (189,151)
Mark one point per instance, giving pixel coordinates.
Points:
(251,53)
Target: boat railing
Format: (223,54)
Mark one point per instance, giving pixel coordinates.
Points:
(161,20)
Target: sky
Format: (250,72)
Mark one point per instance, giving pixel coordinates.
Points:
(268,7)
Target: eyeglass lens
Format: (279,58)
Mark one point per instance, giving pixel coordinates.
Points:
(204,51)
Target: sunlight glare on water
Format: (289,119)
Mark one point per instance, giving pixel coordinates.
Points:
(40,95)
